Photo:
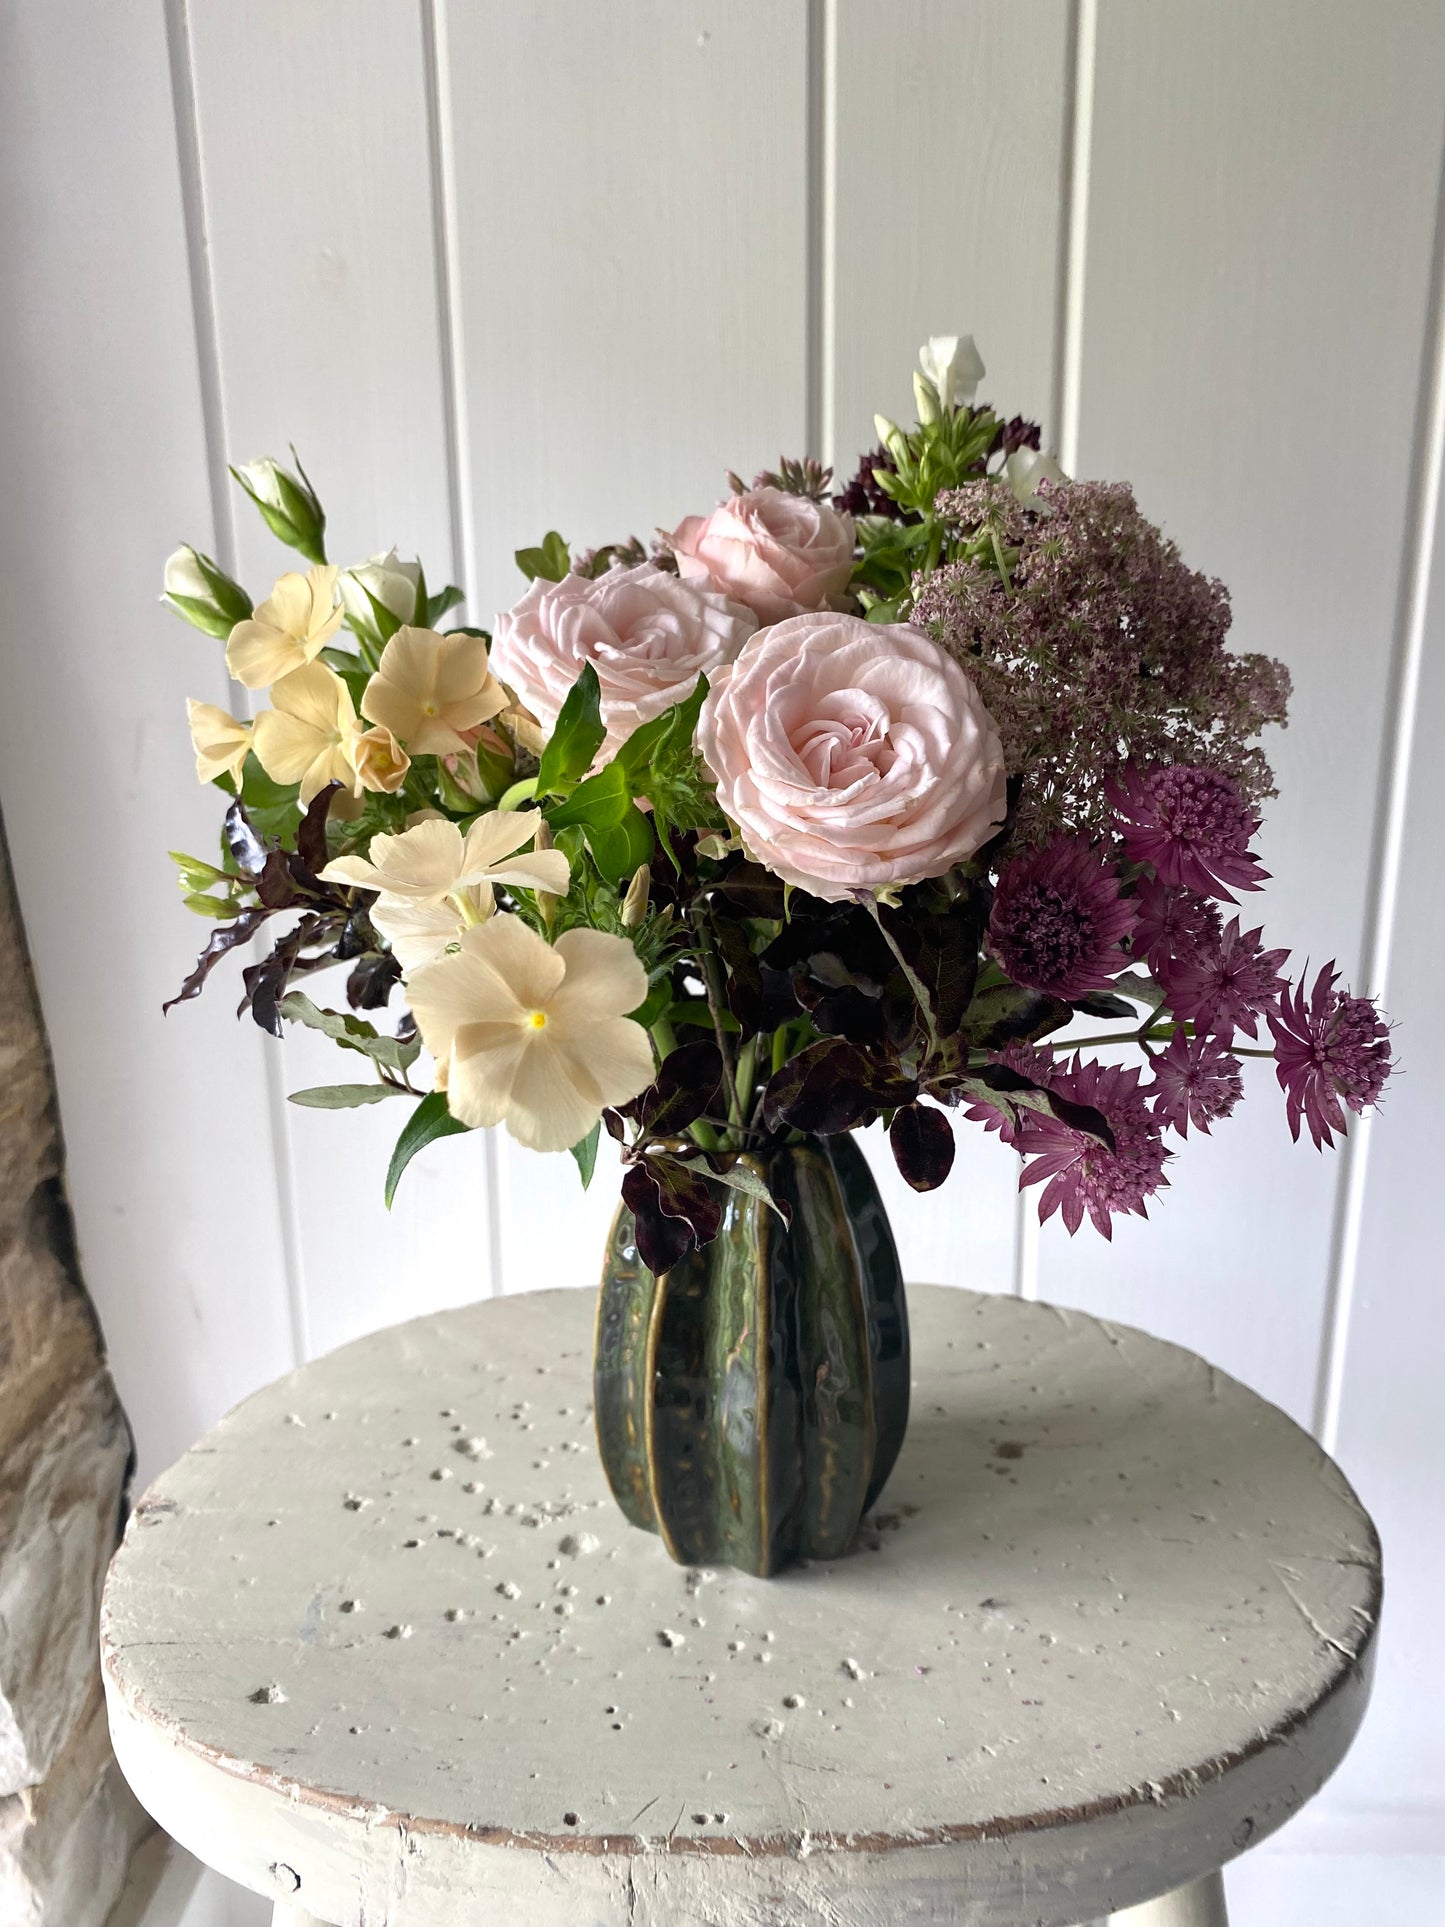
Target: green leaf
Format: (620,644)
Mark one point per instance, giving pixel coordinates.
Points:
(672,731)
(387,621)
(195,873)
(585,1152)
(351,1032)
(551,561)
(430,1120)
(342,1097)
(577,736)
(738,1178)
(221,908)
(619,848)
(437,605)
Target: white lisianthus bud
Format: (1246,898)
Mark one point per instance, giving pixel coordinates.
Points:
(891,436)
(385,579)
(954,366)
(926,396)
(634,904)
(1026,468)
(201,591)
(288,505)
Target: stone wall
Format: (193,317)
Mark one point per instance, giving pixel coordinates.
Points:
(67,1821)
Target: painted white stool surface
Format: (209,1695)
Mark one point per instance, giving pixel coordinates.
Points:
(382,1647)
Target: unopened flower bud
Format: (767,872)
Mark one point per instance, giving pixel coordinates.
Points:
(383,579)
(926,395)
(379,760)
(634,904)
(891,436)
(1026,468)
(288,505)
(201,591)
(542,840)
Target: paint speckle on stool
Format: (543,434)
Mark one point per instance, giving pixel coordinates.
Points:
(271,1695)
(286,1878)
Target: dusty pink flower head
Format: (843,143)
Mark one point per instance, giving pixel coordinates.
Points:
(1196,1081)
(1191,824)
(646,634)
(1230,984)
(1332,1053)
(781,554)
(852,755)
(1058,919)
(1078,1172)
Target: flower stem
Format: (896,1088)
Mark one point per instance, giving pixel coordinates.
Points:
(707,964)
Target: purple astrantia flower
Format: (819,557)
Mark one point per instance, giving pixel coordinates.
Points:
(1175,927)
(1229,986)
(1058,919)
(1191,824)
(1196,1080)
(1078,1172)
(1332,1053)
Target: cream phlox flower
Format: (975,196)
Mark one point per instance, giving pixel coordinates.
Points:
(310,736)
(434,882)
(428,689)
(533,1034)
(220,742)
(380,760)
(954,366)
(288,630)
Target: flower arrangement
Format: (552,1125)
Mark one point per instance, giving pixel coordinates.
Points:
(826,808)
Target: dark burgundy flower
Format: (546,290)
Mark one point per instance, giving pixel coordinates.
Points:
(1058,919)
(1175,927)
(1191,824)
(862,496)
(1196,1080)
(1078,1172)
(1332,1054)
(1229,986)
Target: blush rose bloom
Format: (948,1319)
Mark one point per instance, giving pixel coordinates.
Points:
(853,756)
(783,555)
(648,636)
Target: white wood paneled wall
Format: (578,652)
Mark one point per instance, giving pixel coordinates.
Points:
(500,265)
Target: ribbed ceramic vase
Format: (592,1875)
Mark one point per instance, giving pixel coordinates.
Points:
(751,1401)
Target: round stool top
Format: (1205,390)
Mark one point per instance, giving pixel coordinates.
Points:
(382,1643)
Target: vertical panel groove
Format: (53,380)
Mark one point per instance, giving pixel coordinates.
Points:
(820,315)
(1075,138)
(1078,141)
(1422,529)
(213,418)
(436,55)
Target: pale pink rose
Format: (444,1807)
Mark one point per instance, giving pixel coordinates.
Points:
(780,554)
(648,636)
(852,755)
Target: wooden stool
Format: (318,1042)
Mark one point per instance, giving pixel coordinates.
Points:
(382,1648)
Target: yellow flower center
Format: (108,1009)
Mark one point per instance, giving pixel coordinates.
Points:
(428,709)
(536,1020)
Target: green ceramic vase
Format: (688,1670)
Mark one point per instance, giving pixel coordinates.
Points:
(751,1401)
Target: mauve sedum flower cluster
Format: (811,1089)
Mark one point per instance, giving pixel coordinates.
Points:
(825,812)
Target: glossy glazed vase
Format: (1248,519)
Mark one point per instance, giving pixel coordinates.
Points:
(751,1402)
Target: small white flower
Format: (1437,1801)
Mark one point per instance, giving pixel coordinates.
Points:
(221,743)
(289,629)
(309,737)
(1027,467)
(954,366)
(434,882)
(430,689)
(533,1034)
